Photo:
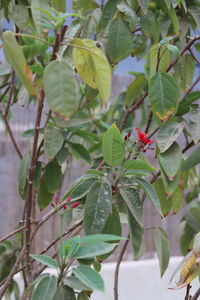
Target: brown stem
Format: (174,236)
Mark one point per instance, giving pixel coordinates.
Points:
(149,122)
(116,277)
(187,295)
(29,201)
(11,87)
(192,86)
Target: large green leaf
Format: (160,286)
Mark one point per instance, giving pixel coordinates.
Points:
(170,160)
(192,160)
(176,200)
(161,54)
(46,289)
(150,25)
(167,134)
(93,250)
(61,88)
(44,197)
(15,57)
(53,141)
(135,89)
(165,201)
(80,188)
(97,207)
(129,15)
(185,69)
(136,233)
(80,152)
(20,16)
(162,248)
(119,44)
(195,12)
(59,5)
(89,277)
(83,296)
(53,176)
(163,95)
(45,260)
(75,283)
(41,20)
(93,66)
(113,146)
(113,224)
(184,105)
(170,185)
(150,191)
(138,164)
(132,199)
(108,11)
(96,238)
(194,123)
(64,293)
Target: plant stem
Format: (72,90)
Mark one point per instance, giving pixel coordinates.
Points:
(196,296)
(116,278)
(187,295)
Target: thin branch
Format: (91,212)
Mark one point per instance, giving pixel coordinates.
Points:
(11,87)
(149,122)
(195,58)
(11,234)
(193,85)
(116,277)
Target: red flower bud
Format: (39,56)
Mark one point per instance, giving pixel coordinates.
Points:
(57,199)
(52,204)
(68,199)
(75,204)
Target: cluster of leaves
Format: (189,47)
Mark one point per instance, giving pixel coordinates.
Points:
(72,65)
(87,251)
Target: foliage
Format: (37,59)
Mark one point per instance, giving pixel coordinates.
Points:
(68,70)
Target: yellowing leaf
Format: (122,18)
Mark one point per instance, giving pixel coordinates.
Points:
(93,66)
(15,57)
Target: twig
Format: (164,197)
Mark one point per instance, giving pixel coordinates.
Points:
(193,85)
(195,58)
(196,295)
(12,233)
(187,295)
(11,87)
(149,122)
(116,278)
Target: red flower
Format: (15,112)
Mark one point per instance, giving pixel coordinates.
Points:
(75,204)
(143,137)
(68,199)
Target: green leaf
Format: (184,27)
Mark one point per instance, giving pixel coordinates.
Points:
(45,260)
(80,188)
(23,172)
(184,105)
(163,95)
(185,68)
(161,54)
(119,44)
(176,200)
(15,57)
(92,66)
(96,238)
(132,199)
(20,16)
(113,224)
(135,89)
(75,283)
(150,26)
(165,201)
(61,88)
(89,277)
(192,160)
(195,12)
(113,146)
(83,296)
(97,207)
(108,11)
(44,197)
(138,164)
(170,185)
(194,123)
(93,250)
(53,141)
(171,160)
(59,5)
(173,49)
(144,5)
(40,18)
(46,289)
(150,191)
(129,15)
(136,233)
(64,293)
(80,152)
(162,248)
(168,133)
(53,176)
